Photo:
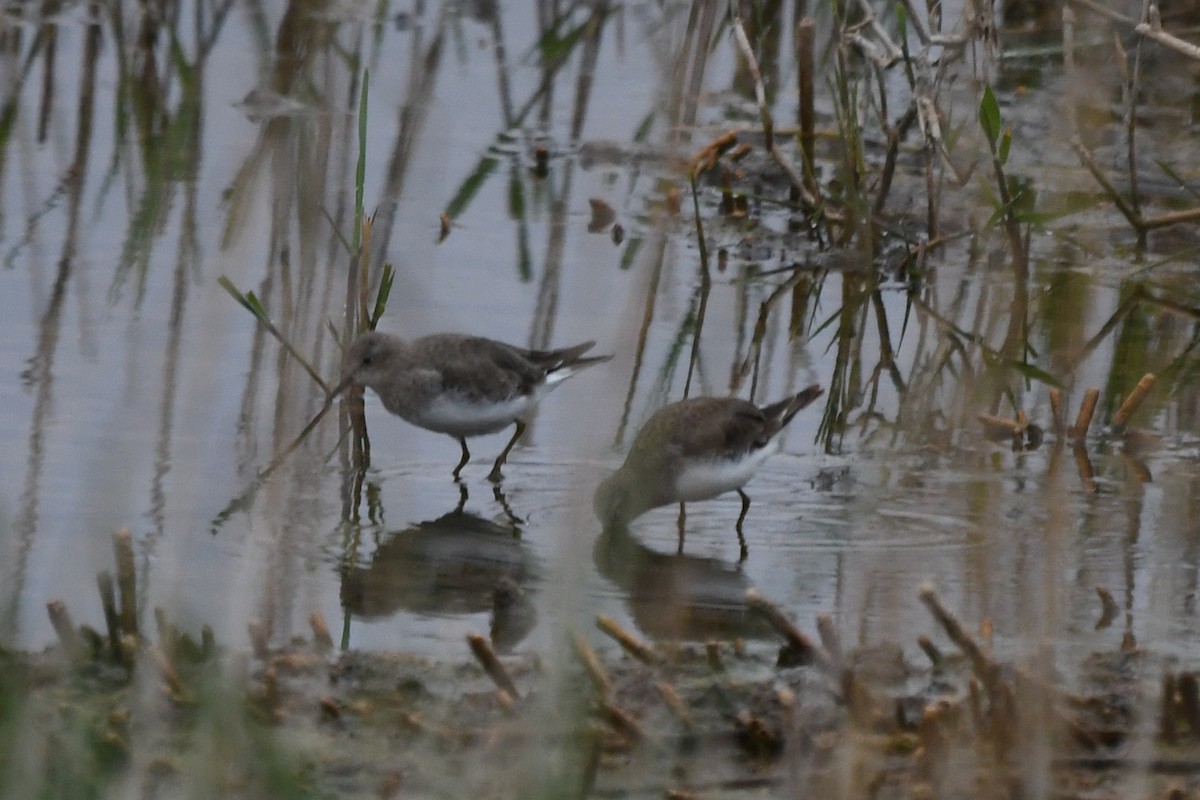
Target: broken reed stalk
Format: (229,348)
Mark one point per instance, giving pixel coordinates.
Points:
(169,673)
(60,618)
(126,579)
(1135,398)
(931,651)
(805,646)
(1087,409)
(1109,608)
(760,92)
(1129,212)
(1152,29)
(1083,465)
(805,40)
(260,639)
(491,665)
(108,601)
(1166,721)
(983,665)
(1056,412)
(629,643)
(321,638)
(621,721)
(1189,700)
(166,633)
(675,702)
(712,650)
(591,664)
(829,638)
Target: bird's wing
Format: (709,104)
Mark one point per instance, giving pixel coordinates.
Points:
(723,425)
(483,369)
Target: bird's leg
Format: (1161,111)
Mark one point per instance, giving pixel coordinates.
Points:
(494,475)
(682,522)
(513,519)
(462,496)
(742,518)
(466,456)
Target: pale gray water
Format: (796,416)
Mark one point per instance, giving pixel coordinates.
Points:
(136,393)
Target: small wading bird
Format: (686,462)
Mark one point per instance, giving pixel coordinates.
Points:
(460,385)
(693,450)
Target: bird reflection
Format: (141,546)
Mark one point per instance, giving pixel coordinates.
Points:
(459,563)
(677,596)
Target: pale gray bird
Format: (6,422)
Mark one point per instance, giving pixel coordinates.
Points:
(696,449)
(460,385)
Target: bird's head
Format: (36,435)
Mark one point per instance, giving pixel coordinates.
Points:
(369,360)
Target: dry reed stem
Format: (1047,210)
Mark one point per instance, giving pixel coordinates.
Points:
(805,646)
(1189,700)
(1056,412)
(1104,11)
(1152,29)
(260,638)
(675,702)
(443,733)
(1129,212)
(805,43)
(1083,465)
(491,665)
(760,92)
(1166,720)
(936,658)
(981,663)
(60,618)
(1087,409)
(330,710)
(829,638)
(622,722)
(108,601)
(629,643)
(591,664)
(171,675)
(1135,398)
(166,632)
(712,650)
(321,638)
(706,157)
(1109,608)
(126,579)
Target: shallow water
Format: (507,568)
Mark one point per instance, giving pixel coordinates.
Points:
(140,395)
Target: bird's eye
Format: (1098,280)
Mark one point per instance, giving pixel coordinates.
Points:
(366,361)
